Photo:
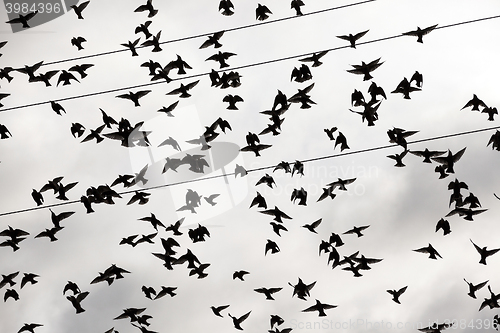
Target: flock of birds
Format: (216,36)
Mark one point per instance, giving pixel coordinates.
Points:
(465,205)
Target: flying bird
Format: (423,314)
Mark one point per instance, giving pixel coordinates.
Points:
(29,328)
(342,141)
(399,158)
(148,6)
(450,160)
(312,227)
(484,252)
(77,41)
(80,69)
(491,111)
(79,9)
(405,88)
(76,300)
(132,46)
(397,293)
(29,277)
(444,225)
(296,4)
(66,77)
(23,19)
(182,91)
(262,12)
(240,275)
(226,6)
(217,309)
(232,100)
(213,40)
(166,291)
(427,154)
(277,213)
(154,42)
(473,288)
(268,292)
(356,230)
(320,307)
(314,58)
(353,38)
(366,68)
(134,97)
(419,33)
(475,102)
(221,58)
(271,246)
(430,250)
(237,321)
(144,28)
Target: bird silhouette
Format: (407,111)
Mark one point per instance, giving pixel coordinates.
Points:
(427,154)
(296,4)
(132,46)
(23,19)
(352,39)
(182,91)
(80,69)
(232,100)
(405,88)
(29,328)
(419,33)
(342,141)
(433,254)
(301,195)
(213,40)
(356,230)
(66,77)
(239,170)
(314,58)
(29,277)
(320,307)
(4,132)
(436,328)
(450,160)
(154,42)
(226,6)
(141,197)
(366,68)
(77,41)
(484,252)
(240,275)
(50,233)
(491,111)
(475,102)
(262,12)
(271,246)
(217,309)
(134,97)
(78,9)
(44,77)
(147,7)
(76,300)
(238,320)
(10,293)
(277,213)
(399,158)
(473,288)
(166,291)
(268,292)
(221,58)
(418,78)
(144,28)
(397,293)
(494,141)
(444,225)
(312,227)
(8,279)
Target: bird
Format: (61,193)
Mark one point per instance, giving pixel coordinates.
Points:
(142,197)
(10,293)
(399,158)
(484,252)
(154,42)
(210,199)
(301,289)
(78,9)
(148,6)
(80,69)
(268,292)
(232,100)
(132,46)
(277,213)
(226,6)
(153,220)
(168,110)
(311,227)
(353,38)
(239,170)
(57,108)
(23,19)
(405,88)
(320,307)
(182,91)
(77,130)
(277,227)
(433,254)
(71,286)
(4,132)
(435,328)
(180,64)
(217,309)
(399,135)
(418,78)
(8,279)
(494,141)
(259,200)
(419,33)
(44,77)
(366,68)
(271,246)
(221,58)
(144,28)
(314,58)
(262,12)
(397,293)
(240,275)
(29,277)
(29,327)
(444,225)
(342,141)
(76,300)
(473,288)
(356,230)
(50,233)
(427,154)
(77,41)
(134,97)
(213,40)
(301,195)
(450,160)
(95,134)
(66,77)
(491,111)
(475,102)
(296,4)
(276,320)
(166,291)
(237,321)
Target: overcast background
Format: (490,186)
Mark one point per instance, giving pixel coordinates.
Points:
(401,205)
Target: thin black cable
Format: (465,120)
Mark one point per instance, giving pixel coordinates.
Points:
(233,68)
(265,168)
(209,34)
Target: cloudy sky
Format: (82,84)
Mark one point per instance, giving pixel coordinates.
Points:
(401,205)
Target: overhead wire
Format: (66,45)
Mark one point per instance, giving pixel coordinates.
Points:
(354,152)
(102,92)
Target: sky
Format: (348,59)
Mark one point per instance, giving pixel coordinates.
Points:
(401,205)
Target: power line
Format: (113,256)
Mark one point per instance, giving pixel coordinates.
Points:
(233,68)
(211,33)
(314,159)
